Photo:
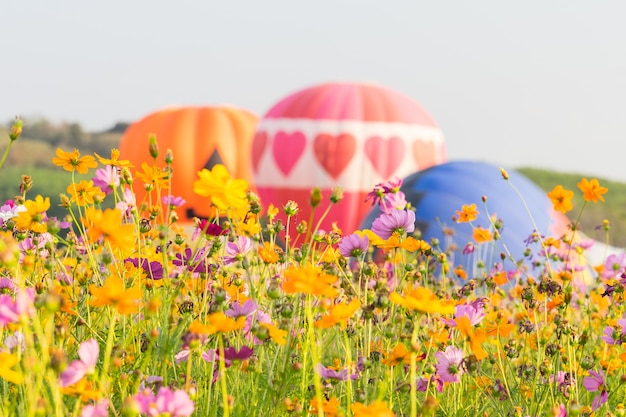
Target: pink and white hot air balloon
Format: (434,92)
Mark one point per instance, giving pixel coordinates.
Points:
(348,135)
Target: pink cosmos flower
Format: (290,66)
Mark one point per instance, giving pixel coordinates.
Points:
(237,249)
(101,409)
(165,402)
(597,382)
(614,266)
(449,365)
(12,310)
(107,179)
(354,245)
(172,201)
(401,221)
(88,353)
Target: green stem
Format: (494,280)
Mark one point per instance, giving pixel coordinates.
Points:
(220,342)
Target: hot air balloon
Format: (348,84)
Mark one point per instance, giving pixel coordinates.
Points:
(439,191)
(199,137)
(348,135)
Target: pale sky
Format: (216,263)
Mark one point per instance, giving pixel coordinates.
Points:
(527,83)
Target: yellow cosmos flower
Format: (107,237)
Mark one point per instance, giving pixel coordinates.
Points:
(108,225)
(218,323)
(592,190)
(114,160)
(422,299)
(72,161)
(467,214)
(33,218)
(309,279)
(7,362)
(223,191)
(338,314)
(114,293)
(85,193)
(276,334)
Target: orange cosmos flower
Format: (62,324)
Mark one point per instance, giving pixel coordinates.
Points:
(421,299)
(218,323)
(269,253)
(108,225)
(476,337)
(85,193)
(410,244)
(375,409)
(467,214)
(223,191)
(153,177)
(330,407)
(561,199)
(592,190)
(308,279)
(338,314)
(114,293)
(33,218)
(482,235)
(399,354)
(72,161)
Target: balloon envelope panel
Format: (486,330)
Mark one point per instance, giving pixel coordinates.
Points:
(438,192)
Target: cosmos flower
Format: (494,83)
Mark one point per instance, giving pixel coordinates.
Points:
(88,353)
(596,382)
(72,161)
(354,245)
(592,190)
(449,364)
(107,179)
(166,402)
(398,221)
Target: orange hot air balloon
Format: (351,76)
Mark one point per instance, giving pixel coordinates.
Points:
(199,137)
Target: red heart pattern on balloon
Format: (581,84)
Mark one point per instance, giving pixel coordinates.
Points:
(258,147)
(334,152)
(384,154)
(287,149)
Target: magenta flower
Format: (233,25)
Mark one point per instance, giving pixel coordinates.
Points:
(7,286)
(393,201)
(10,210)
(473,311)
(354,245)
(597,382)
(231,354)
(450,364)
(107,179)
(211,229)
(88,353)
(400,221)
(153,269)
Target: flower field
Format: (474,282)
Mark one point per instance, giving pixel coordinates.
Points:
(121,311)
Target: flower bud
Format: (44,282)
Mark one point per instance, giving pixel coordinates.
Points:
(16,129)
(316,197)
(153,147)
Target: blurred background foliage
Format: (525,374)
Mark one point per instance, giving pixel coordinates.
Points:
(32,155)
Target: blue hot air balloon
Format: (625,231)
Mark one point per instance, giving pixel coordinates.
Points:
(439,191)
